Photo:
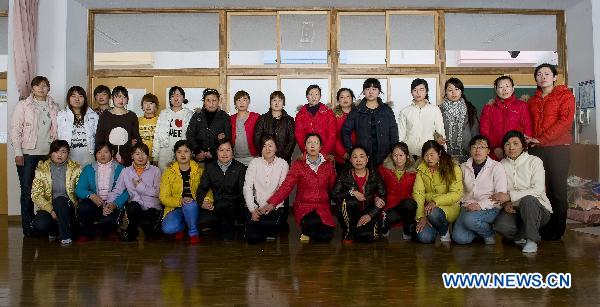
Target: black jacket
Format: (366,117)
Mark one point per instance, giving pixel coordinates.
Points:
(282,129)
(373,187)
(204,138)
(225,187)
(359,120)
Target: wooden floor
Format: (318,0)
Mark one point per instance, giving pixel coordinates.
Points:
(392,272)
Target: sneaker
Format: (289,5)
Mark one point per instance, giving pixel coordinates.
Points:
(180,235)
(489,240)
(304,238)
(406,237)
(51,238)
(66,242)
(520,242)
(385,234)
(446,237)
(530,247)
(347,241)
(271,238)
(194,240)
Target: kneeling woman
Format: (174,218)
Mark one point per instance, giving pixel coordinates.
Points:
(526,207)
(225,177)
(315,177)
(437,191)
(178,181)
(264,175)
(482,178)
(97,180)
(141,181)
(53,192)
(359,193)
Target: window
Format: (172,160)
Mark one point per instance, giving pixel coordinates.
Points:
(252,39)
(3,44)
(295,92)
(362,38)
(259,89)
(412,39)
(304,37)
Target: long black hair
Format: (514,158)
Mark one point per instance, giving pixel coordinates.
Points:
(471,110)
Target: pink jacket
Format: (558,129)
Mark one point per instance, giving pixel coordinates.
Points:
(499,117)
(491,179)
(23,126)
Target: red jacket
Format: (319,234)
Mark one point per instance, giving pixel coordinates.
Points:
(340,150)
(322,123)
(249,127)
(499,117)
(553,116)
(397,190)
(313,190)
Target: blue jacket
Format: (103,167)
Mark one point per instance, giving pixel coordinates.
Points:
(87,182)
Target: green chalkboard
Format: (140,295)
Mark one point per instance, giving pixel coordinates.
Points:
(480,96)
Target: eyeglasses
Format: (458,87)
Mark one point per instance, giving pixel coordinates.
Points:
(479,147)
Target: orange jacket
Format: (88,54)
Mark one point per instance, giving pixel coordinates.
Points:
(553,116)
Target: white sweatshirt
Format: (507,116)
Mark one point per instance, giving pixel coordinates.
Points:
(417,125)
(526,176)
(162,139)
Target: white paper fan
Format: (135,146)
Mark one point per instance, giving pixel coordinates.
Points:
(118,136)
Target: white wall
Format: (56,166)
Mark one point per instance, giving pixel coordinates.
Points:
(14,207)
(580,57)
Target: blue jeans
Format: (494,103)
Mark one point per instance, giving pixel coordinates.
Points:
(471,224)
(439,224)
(176,220)
(26,174)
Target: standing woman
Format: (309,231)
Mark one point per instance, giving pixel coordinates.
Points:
(171,127)
(53,192)
(460,120)
(345,104)
(420,121)
(207,127)
(264,175)
(177,186)
(398,173)
(358,193)
(504,114)
(314,176)
(437,191)
(141,180)
(77,125)
(374,123)
(315,117)
(242,128)
(278,123)
(97,180)
(33,127)
(552,110)
(225,177)
(119,119)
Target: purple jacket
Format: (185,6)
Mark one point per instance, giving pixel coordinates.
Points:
(145,193)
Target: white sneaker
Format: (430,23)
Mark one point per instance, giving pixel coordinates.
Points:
(489,240)
(66,242)
(530,247)
(406,237)
(520,242)
(51,238)
(446,237)
(270,238)
(304,238)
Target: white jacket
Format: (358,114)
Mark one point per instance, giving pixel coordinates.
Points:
(526,176)
(491,179)
(65,119)
(417,125)
(161,132)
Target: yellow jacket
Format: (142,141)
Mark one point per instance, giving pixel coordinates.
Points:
(431,187)
(41,190)
(171,186)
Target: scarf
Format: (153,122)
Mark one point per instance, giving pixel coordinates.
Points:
(455,112)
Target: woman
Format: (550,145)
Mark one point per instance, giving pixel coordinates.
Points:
(345,104)
(171,127)
(399,175)
(53,192)
(97,180)
(504,114)
(141,180)
(420,121)
(278,123)
(208,126)
(148,120)
(374,124)
(33,127)
(242,128)
(118,121)
(315,117)
(101,99)
(263,177)
(177,186)
(526,207)
(225,177)
(358,193)
(460,120)
(314,177)
(482,178)
(77,125)
(437,191)
(552,108)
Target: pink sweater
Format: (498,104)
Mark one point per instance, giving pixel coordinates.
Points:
(491,179)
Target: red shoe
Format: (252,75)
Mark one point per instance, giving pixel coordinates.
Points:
(347,241)
(194,240)
(83,239)
(179,235)
(112,236)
